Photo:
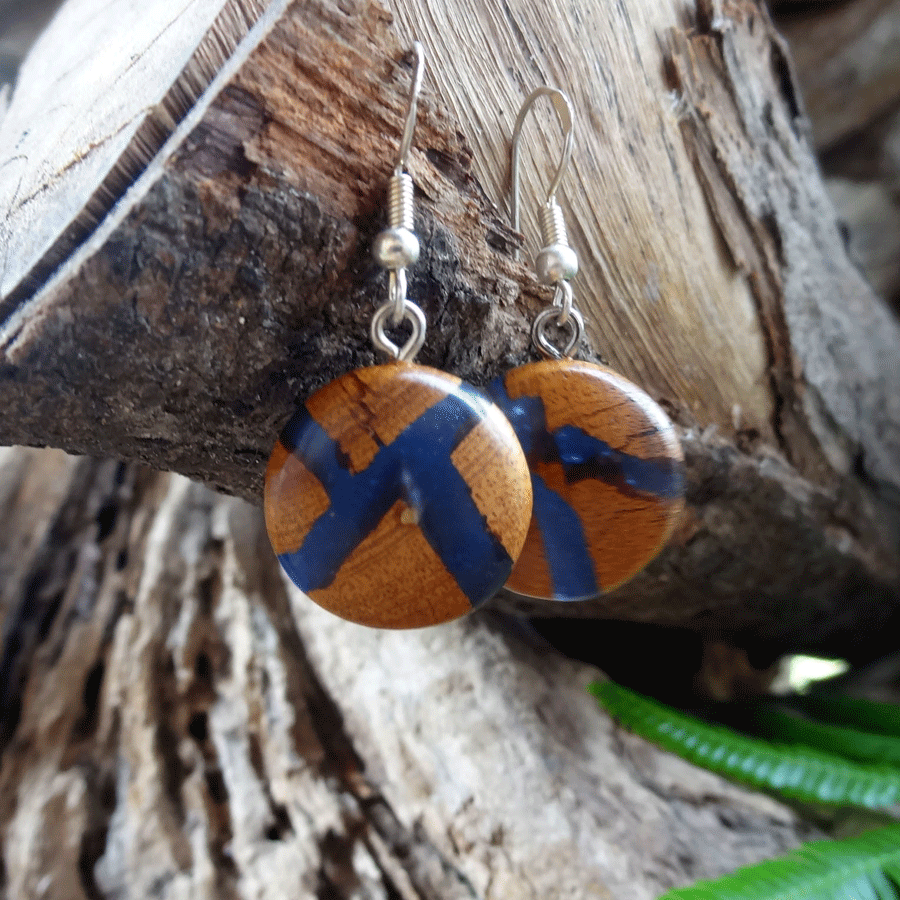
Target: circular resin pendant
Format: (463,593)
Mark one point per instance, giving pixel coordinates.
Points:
(607,474)
(398,497)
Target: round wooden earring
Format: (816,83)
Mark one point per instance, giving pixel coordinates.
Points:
(607,477)
(607,470)
(398,496)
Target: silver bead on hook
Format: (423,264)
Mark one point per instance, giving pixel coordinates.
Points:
(556,261)
(397,246)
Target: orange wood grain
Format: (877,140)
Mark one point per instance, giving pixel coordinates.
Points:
(289,484)
(531,574)
(367,408)
(623,532)
(394,580)
(491,461)
(624,527)
(599,401)
(394,577)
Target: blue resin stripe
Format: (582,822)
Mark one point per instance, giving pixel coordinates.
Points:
(565,546)
(582,455)
(416,468)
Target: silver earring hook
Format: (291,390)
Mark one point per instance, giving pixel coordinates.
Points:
(556,262)
(397,246)
(563,107)
(410,126)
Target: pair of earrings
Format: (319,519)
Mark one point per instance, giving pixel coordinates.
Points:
(399,496)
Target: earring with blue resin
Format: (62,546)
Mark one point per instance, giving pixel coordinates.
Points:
(398,496)
(607,468)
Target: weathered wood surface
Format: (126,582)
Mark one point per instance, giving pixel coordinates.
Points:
(847,59)
(864,181)
(175,724)
(870,209)
(216,274)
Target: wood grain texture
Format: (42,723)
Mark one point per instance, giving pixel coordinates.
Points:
(830,337)
(234,267)
(608,477)
(272,101)
(182,725)
(93,147)
(652,281)
(398,497)
(368,409)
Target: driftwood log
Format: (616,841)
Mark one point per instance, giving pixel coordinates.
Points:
(176,724)
(185,252)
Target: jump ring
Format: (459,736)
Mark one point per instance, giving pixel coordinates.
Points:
(416,318)
(539,336)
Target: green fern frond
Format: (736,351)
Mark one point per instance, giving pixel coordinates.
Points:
(785,725)
(852,712)
(866,867)
(799,772)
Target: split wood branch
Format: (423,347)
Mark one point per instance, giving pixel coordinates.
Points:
(186,254)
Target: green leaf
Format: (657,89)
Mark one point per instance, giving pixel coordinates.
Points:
(866,715)
(783,724)
(802,773)
(866,867)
